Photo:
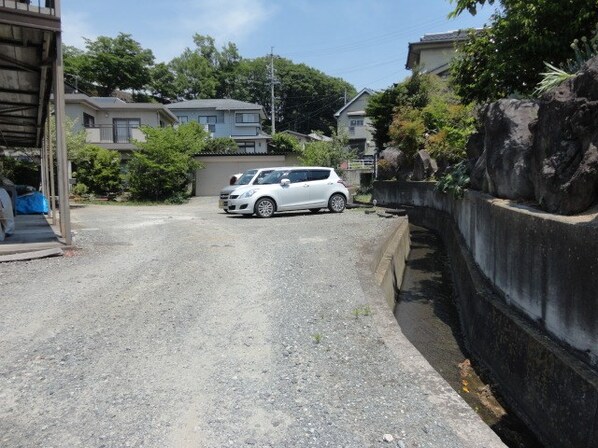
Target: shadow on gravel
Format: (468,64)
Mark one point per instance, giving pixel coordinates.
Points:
(280,215)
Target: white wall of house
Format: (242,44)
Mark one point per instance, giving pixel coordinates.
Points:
(225,125)
(219,169)
(431,59)
(75,112)
(357,127)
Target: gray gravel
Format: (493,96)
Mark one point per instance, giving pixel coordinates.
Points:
(178,326)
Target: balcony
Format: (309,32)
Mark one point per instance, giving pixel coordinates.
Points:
(40,14)
(113,134)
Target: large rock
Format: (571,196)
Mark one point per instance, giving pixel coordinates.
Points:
(424,166)
(504,168)
(565,146)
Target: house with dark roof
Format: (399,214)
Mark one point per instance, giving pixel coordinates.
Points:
(434,52)
(111,123)
(352,120)
(239,120)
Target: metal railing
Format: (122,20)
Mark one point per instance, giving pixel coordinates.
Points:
(360,164)
(47,7)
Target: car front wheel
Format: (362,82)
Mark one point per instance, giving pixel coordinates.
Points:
(337,203)
(264,208)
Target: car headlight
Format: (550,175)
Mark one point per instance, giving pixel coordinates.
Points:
(248,193)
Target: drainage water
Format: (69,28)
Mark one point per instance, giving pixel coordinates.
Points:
(426,313)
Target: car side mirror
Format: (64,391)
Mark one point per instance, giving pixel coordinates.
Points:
(285,182)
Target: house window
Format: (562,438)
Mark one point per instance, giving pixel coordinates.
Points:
(351,130)
(183,119)
(246,147)
(123,129)
(209,121)
(89,121)
(247,118)
(357,122)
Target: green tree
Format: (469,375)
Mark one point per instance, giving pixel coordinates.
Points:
(98,169)
(163,165)
(414,92)
(327,153)
(162,82)
(282,142)
(509,57)
(77,69)
(115,63)
(193,76)
(433,119)
(307,99)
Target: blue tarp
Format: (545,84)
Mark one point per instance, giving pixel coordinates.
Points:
(32,204)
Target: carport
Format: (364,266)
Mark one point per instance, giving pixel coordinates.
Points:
(30,67)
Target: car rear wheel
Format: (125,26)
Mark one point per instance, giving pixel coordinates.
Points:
(314,210)
(264,208)
(337,203)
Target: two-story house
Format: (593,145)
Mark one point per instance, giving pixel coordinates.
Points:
(239,120)
(352,120)
(112,123)
(434,52)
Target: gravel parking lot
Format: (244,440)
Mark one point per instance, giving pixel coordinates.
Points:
(180,326)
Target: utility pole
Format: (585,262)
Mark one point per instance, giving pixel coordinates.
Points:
(272,89)
(345,96)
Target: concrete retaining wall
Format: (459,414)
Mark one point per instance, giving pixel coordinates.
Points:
(521,275)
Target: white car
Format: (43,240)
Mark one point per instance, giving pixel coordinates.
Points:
(249,177)
(292,188)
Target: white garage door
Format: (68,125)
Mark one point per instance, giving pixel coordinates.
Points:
(219,169)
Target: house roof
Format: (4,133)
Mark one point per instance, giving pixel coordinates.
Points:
(355,98)
(217,104)
(435,40)
(111,103)
(313,136)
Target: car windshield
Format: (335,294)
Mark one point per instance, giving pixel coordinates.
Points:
(274,177)
(246,177)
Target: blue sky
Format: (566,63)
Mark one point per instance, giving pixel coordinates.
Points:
(364,42)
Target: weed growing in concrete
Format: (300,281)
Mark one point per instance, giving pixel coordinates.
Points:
(362,311)
(317,337)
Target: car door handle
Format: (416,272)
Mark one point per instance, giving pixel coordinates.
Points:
(306,186)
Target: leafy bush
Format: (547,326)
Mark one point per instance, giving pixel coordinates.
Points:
(163,166)
(98,169)
(282,142)
(455,180)
(440,124)
(80,189)
(324,153)
(407,130)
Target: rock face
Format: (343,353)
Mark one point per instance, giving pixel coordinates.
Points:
(544,150)
(424,166)
(565,146)
(504,168)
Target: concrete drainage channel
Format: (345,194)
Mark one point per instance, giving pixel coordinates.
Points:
(393,264)
(427,315)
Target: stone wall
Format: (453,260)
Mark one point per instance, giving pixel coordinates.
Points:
(522,276)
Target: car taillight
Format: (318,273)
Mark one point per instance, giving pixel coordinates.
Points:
(340,181)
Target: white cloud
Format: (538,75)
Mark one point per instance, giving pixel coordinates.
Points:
(76,26)
(224,20)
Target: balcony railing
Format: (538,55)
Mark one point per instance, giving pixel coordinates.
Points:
(36,6)
(361,164)
(113,134)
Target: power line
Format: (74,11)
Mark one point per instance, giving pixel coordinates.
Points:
(367,42)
